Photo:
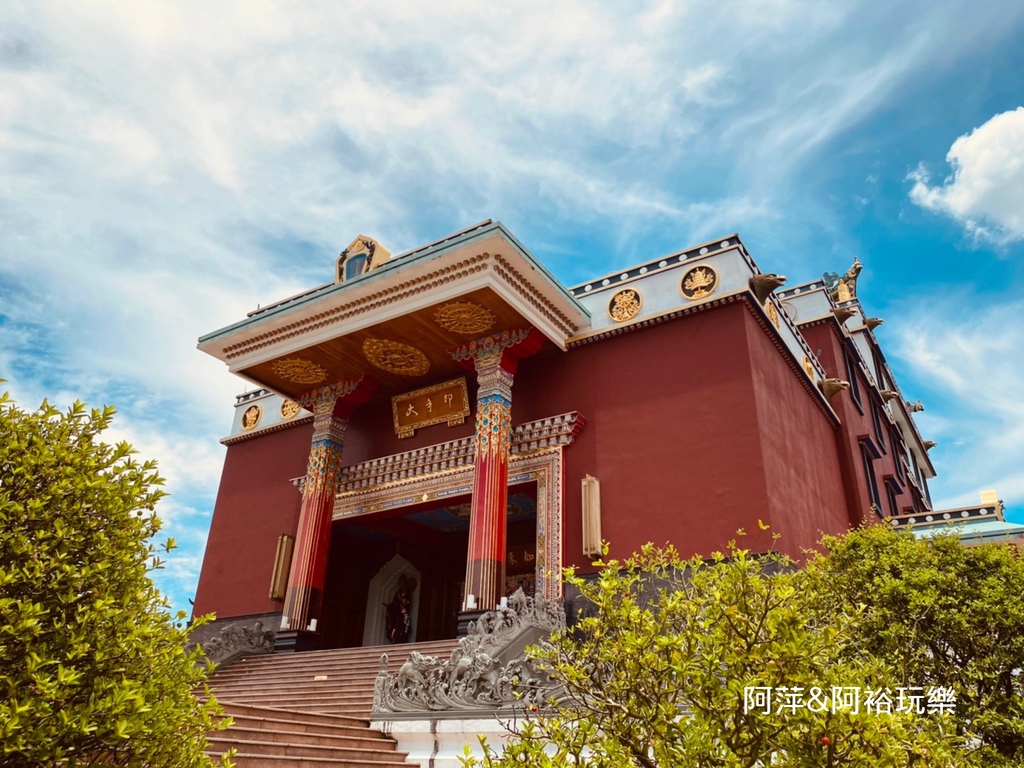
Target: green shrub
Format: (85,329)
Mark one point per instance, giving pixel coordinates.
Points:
(93,669)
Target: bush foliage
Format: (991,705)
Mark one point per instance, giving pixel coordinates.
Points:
(940,613)
(93,669)
(654,673)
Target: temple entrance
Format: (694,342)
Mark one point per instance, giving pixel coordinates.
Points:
(398,575)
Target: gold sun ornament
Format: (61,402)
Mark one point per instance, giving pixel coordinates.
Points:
(299,370)
(251,417)
(464,317)
(396,357)
(699,282)
(625,305)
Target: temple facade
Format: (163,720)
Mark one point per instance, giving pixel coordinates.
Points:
(431,432)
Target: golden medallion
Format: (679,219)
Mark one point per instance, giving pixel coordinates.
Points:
(699,282)
(464,317)
(396,357)
(298,370)
(625,305)
(809,367)
(289,408)
(773,313)
(251,417)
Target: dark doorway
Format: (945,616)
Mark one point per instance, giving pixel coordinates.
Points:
(415,556)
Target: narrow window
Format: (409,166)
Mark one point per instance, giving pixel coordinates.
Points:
(891,493)
(877,419)
(851,376)
(869,471)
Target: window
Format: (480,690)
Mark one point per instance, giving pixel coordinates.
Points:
(891,493)
(880,370)
(869,471)
(899,452)
(355,265)
(851,376)
(879,433)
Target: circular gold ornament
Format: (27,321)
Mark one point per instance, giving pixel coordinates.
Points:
(251,417)
(465,318)
(625,305)
(289,408)
(396,357)
(809,367)
(298,370)
(773,313)
(699,282)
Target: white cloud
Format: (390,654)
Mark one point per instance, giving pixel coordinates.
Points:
(969,368)
(985,191)
(165,166)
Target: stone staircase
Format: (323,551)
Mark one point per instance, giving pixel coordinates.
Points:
(309,710)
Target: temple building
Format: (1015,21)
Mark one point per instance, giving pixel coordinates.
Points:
(452,424)
(433,432)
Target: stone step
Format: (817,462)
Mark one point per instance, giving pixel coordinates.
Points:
(338,683)
(287,702)
(234,709)
(302,726)
(369,739)
(223,742)
(246,760)
(361,654)
(285,718)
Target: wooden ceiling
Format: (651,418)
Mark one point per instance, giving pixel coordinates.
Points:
(343,357)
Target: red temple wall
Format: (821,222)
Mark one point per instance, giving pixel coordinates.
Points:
(798,446)
(674,435)
(856,423)
(256,503)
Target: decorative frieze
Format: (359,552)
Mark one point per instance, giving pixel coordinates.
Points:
(531,437)
(476,677)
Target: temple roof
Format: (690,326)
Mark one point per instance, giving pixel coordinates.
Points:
(398,322)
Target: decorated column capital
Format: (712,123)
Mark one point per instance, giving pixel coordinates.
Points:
(339,398)
(503,349)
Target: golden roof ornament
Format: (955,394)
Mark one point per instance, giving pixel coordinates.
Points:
(362,255)
(929,444)
(625,305)
(914,407)
(873,322)
(699,282)
(298,370)
(843,288)
(764,285)
(889,394)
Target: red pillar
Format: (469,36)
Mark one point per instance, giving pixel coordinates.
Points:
(331,407)
(495,359)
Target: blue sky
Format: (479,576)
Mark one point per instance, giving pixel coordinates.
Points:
(167,166)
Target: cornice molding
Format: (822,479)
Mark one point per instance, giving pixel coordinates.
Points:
(278,427)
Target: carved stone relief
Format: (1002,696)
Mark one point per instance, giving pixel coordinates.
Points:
(477,676)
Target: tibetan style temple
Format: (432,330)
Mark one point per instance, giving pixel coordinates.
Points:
(433,431)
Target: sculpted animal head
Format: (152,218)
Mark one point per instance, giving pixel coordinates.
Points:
(831,387)
(763,285)
(843,313)
(873,322)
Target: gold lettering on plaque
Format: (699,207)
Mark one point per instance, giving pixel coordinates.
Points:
(447,402)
